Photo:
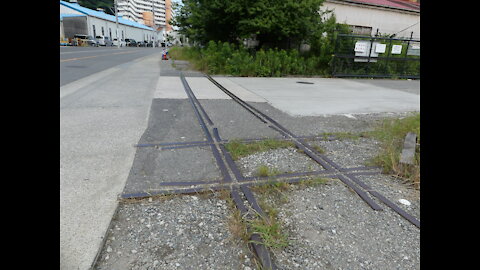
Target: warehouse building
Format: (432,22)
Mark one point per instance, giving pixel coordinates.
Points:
(75,19)
(365,17)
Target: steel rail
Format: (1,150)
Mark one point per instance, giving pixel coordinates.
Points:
(216,153)
(167,145)
(256,241)
(328,164)
(392,205)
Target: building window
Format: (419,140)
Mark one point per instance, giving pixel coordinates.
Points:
(361,30)
(110,33)
(94,32)
(122,35)
(103,33)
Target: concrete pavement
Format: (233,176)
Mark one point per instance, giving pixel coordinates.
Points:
(101,118)
(333,96)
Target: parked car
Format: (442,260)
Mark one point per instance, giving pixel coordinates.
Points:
(115,42)
(104,41)
(141,43)
(85,39)
(149,44)
(130,42)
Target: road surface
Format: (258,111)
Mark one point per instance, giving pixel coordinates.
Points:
(105,98)
(79,62)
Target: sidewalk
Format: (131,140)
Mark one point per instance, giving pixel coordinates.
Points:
(101,117)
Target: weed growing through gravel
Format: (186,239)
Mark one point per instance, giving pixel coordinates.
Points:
(391,133)
(265,171)
(273,189)
(268,226)
(313,181)
(270,230)
(236,225)
(238,149)
(318,149)
(343,135)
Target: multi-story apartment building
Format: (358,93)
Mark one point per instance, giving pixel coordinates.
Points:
(154,13)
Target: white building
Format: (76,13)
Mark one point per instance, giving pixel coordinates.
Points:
(148,12)
(400,17)
(94,23)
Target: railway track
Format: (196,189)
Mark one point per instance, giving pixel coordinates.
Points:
(239,186)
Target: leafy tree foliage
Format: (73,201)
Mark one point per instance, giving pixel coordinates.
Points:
(274,23)
(94,4)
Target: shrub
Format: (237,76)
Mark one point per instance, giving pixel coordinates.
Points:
(226,58)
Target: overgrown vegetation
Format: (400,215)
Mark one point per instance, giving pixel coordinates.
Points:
(392,134)
(220,29)
(265,171)
(313,181)
(343,135)
(268,226)
(237,149)
(269,229)
(272,195)
(236,60)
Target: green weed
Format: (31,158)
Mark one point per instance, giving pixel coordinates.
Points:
(391,133)
(238,149)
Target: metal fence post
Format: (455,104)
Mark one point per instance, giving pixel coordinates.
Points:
(405,56)
(335,35)
(388,56)
(370,53)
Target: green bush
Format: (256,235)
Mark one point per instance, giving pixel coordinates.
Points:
(226,58)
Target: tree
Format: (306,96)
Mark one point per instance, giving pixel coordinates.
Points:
(274,23)
(107,5)
(205,20)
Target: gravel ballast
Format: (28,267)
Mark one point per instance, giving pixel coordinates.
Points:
(284,160)
(180,232)
(330,227)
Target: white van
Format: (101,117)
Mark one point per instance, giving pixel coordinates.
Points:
(115,42)
(104,41)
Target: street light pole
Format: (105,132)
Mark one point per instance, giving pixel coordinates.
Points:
(116,21)
(154,28)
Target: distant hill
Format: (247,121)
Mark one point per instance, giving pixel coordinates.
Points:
(94,4)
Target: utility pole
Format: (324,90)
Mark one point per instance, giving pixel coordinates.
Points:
(116,21)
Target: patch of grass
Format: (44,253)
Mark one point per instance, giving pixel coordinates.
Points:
(318,149)
(237,149)
(268,226)
(274,189)
(391,133)
(270,231)
(313,181)
(264,171)
(343,135)
(237,226)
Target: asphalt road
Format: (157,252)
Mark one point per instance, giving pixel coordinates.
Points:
(79,62)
